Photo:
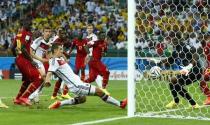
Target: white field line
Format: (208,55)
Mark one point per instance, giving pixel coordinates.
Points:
(148,115)
(100,121)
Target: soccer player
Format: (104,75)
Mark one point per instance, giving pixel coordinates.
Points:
(80,44)
(62,40)
(190,73)
(2,105)
(206,75)
(38,52)
(58,66)
(31,76)
(96,66)
(92,38)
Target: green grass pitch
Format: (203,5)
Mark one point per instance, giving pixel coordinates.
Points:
(93,109)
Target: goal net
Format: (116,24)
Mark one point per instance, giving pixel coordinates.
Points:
(155,29)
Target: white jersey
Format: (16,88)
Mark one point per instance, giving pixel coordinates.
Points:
(73,81)
(40,46)
(91,39)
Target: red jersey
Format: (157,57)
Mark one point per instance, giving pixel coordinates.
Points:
(80,46)
(24,39)
(99,47)
(207,53)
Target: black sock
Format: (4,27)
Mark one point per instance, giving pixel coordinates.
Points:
(174,93)
(183,92)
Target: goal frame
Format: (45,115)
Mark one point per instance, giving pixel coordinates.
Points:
(131,59)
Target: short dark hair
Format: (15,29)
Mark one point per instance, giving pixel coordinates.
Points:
(54,47)
(47,27)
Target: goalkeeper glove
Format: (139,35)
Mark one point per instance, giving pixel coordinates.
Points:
(186,69)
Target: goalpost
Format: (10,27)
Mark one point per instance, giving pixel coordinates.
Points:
(147,97)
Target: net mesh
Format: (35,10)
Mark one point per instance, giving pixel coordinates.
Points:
(162,25)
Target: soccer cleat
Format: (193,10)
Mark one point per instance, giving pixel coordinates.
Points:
(25,101)
(207,101)
(196,106)
(17,101)
(56,98)
(123,103)
(2,105)
(171,105)
(55,105)
(67,96)
(105,91)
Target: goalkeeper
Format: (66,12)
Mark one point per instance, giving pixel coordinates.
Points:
(191,71)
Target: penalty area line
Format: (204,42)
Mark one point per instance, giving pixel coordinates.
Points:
(100,121)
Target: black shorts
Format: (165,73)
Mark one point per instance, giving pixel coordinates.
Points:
(194,75)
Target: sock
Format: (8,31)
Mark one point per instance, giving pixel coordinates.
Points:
(110,100)
(99,80)
(23,87)
(82,75)
(68,102)
(56,88)
(174,93)
(204,88)
(65,90)
(184,94)
(32,87)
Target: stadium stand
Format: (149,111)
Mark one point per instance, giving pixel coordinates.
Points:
(107,15)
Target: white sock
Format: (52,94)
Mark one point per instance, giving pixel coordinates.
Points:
(99,80)
(33,95)
(111,100)
(68,102)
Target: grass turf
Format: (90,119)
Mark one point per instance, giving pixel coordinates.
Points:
(94,108)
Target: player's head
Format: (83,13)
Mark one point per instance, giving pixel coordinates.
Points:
(101,35)
(80,35)
(61,33)
(47,32)
(26,24)
(57,50)
(90,28)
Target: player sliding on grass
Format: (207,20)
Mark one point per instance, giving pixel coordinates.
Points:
(190,73)
(58,66)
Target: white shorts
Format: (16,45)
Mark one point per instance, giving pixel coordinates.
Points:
(78,87)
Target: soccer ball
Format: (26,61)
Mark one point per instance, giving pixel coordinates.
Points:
(155,72)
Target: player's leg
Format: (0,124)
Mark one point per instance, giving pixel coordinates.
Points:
(99,81)
(23,87)
(204,86)
(36,81)
(92,73)
(22,65)
(178,84)
(104,72)
(83,73)
(79,88)
(56,89)
(174,93)
(65,94)
(35,95)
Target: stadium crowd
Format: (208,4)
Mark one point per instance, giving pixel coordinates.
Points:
(108,15)
(159,22)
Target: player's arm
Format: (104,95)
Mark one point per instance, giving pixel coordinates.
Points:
(72,47)
(33,55)
(47,79)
